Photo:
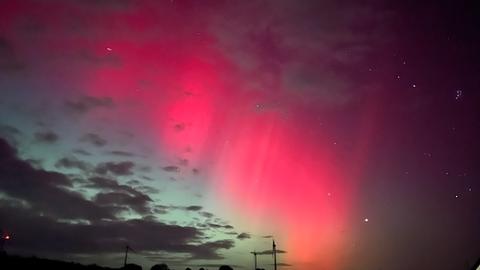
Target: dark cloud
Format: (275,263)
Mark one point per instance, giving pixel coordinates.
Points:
(208,251)
(137,202)
(195,171)
(73,163)
(160,209)
(133,182)
(220,226)
(82,152)
(42,234)
(122,153)
(47,218)
(267,236)
(7,129)
(145,168)
(123,168)
(171,168)
(243,236)
(194,208)
(179,127)
(46,137)
(9,133)
(110,184)
(206,214)
(122,195)
(43,191)
(93,139)
(87,103)
(148,189)
(147,178)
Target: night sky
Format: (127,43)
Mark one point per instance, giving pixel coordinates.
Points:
(199,131)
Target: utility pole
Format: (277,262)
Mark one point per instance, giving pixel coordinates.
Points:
(274,250)
(255,258)
(126,255)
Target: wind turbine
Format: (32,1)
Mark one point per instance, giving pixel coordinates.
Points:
(255,258)
(127,248)
(274,252)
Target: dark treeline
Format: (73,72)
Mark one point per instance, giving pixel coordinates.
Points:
(10,262)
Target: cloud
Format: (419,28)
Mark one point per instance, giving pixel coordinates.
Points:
(179,127)
(93,139)
(138,202)
(133,182)
(121,195)
(148,189)
(171,168)
(46,137)
(9,133)
(310,51)
(160,209)
(243,236)
(123,168)
(208,251)
(47,218)
(110,184)
(206,214)
(73,163)
(220,226)
(43,191)
(88,103)
(121,153)
(7,129)
(194,208)
(42,234)
(82,152)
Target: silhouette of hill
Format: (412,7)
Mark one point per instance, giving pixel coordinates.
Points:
(8,262)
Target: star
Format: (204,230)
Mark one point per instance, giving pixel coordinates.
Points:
(414,85)
(458,94)
(109,49)
(365,220)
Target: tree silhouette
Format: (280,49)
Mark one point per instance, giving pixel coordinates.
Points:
(161,266)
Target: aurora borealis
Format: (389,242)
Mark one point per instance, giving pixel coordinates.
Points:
(197,131)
